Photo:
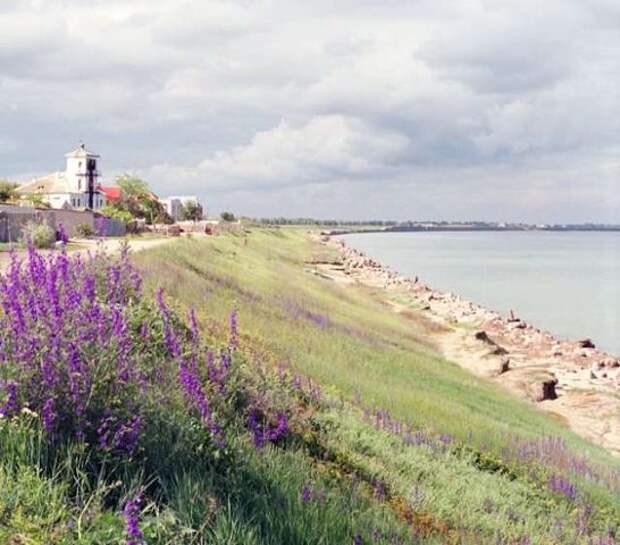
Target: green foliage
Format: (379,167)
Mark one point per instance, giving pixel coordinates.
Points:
(7,191)
(84,230)
(192,211)
(227,216)
(138,201)
(116,213)
(37,200)
(41,235)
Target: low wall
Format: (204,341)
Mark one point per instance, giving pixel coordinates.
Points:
(109,227)
(69,219)
(13,220)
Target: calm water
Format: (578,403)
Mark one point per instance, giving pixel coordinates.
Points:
(567,283)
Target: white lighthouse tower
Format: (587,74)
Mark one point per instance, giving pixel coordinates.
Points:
(77,187)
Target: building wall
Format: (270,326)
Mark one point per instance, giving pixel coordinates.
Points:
(76,172)
(173,206)
(75,200)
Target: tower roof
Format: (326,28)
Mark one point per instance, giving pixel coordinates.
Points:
(81,151)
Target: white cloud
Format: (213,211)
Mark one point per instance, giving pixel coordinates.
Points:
(368,107)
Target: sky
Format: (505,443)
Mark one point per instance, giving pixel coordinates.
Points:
(503,110)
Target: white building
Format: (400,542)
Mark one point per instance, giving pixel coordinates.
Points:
(76,187)
(175,205)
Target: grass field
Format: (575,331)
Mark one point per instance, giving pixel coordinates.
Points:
(340,336)
(294,411)
(345,339)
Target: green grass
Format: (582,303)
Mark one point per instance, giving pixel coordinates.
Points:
(362,480)
(348,340)
(367,350)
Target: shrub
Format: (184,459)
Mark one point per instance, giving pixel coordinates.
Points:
(7,191)
(41,235)
(84,230)
(117,214)
(58,313)
(227,216)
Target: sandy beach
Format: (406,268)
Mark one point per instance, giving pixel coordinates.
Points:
(572,380)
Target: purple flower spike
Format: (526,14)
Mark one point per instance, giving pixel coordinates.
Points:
(131,514)
(306,493)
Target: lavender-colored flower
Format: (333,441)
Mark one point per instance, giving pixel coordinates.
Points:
(563,486)
(49,415)
(127,435)
(233,341)
(280,431)
(10,406)
(261,433)
(357,540)
(306,493)
(258,436)
(131,513)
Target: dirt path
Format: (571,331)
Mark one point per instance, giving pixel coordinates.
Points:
(571,380)
(91,245)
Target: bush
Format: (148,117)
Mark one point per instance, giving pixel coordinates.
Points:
(84,230)
(227,216)
(40,234)
(117,214)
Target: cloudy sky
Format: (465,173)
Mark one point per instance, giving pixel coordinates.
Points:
(421,109)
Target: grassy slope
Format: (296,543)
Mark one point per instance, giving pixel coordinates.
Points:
(341,475)
(358,348)
(366,349)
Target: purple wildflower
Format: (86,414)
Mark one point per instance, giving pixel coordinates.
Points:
(49,415)
(10,406)
(261,433)
(563,486)
(233,341)
(131,513)
(306,493)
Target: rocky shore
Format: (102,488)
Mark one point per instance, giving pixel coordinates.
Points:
(571,379)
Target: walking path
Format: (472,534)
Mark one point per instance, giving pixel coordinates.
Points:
(111,245)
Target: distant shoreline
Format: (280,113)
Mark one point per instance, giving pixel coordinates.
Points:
(470,229)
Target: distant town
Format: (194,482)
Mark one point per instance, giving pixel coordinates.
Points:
(344,226)
(76,202)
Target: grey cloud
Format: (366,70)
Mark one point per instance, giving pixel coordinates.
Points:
(398,108)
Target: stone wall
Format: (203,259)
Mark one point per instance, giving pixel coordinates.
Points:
(13,220)
(69,219)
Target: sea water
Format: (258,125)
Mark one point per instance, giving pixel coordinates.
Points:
(565,282)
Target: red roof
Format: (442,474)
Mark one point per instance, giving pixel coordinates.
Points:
(112,193)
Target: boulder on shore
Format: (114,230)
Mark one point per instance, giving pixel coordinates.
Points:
(544,388)
(586,343)
(504,366)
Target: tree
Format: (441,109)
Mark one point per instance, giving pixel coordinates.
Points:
(192,211)
(227,216)
(37,200)
(7,191)
(139,200)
